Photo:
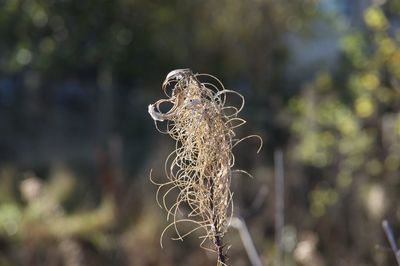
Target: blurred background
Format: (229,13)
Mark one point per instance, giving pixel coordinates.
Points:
(321,80)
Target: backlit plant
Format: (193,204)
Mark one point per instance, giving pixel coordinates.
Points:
(199,170)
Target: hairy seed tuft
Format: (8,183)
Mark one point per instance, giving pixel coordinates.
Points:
(199,169)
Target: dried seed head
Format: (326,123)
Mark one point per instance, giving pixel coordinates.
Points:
(199,168)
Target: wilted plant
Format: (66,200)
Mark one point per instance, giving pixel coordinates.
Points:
(200,167)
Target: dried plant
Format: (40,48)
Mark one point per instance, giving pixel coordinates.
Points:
(200,167)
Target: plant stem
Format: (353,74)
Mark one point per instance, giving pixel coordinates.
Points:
(392,241)
(279,205)
(220,251)
(217,238)
(247,241)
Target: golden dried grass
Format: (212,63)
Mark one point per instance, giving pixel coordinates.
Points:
(200,167)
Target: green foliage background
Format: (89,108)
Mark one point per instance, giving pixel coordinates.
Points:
(76,142)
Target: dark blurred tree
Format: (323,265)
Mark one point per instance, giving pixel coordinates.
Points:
(136,38)
(77,68)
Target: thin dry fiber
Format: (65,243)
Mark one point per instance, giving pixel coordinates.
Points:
(200,167)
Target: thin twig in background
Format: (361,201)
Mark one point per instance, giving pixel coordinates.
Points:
(259,199)
(392,241)
(247,241)
(279,205)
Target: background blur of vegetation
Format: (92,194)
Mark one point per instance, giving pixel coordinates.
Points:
(322,83)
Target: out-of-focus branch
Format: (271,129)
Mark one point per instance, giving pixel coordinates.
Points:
(247,241)
(279,204)
(392,241)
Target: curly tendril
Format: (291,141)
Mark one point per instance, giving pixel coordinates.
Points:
(200,167)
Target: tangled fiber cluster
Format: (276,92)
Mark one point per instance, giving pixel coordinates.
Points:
(199,169)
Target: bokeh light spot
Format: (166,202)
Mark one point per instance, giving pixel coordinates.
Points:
(364,107)
(24,56)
